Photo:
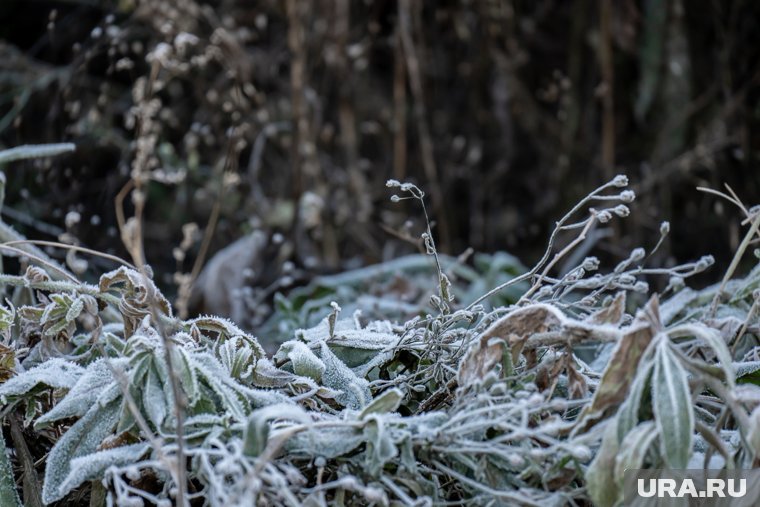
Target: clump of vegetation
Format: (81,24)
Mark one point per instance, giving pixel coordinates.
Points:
(545,396)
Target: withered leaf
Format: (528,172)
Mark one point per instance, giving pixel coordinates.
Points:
(576,383)
(621,369)
(518,325)
(480,359)
(610,314)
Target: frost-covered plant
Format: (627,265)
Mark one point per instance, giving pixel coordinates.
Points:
(545,396)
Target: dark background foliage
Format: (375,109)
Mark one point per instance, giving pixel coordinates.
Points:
(288,117)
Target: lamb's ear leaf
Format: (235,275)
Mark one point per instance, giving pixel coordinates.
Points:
(389,401)
(96,379)
(633,449)
(628,415)
(355,393)
(600,475)
(187,374)
(673,410)
(381,446)
(92,466)
(154,401)
(8,492)
(714,340)
(257,431)
(212,375)
(56,372)
(80,440)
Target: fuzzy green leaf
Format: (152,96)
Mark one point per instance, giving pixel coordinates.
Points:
(257,430)
(628,415)
(92,466)
(714,340)
(386,402)
(8,492)
(634,448)
(672,407)
(600,475)
(80,440)
(154,401)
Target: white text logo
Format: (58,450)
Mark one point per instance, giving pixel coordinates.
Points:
(714,488)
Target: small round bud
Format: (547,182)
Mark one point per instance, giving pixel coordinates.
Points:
(604,216)
(621,180)
(705,262)
(545,291)
(72,219)
(622,210)
(637,254)
(626,279)
(627,196)
(641,287)
(676,283)
(590,264)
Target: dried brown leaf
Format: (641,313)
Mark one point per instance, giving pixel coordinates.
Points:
(622,367)
(610,314)
(481,359)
